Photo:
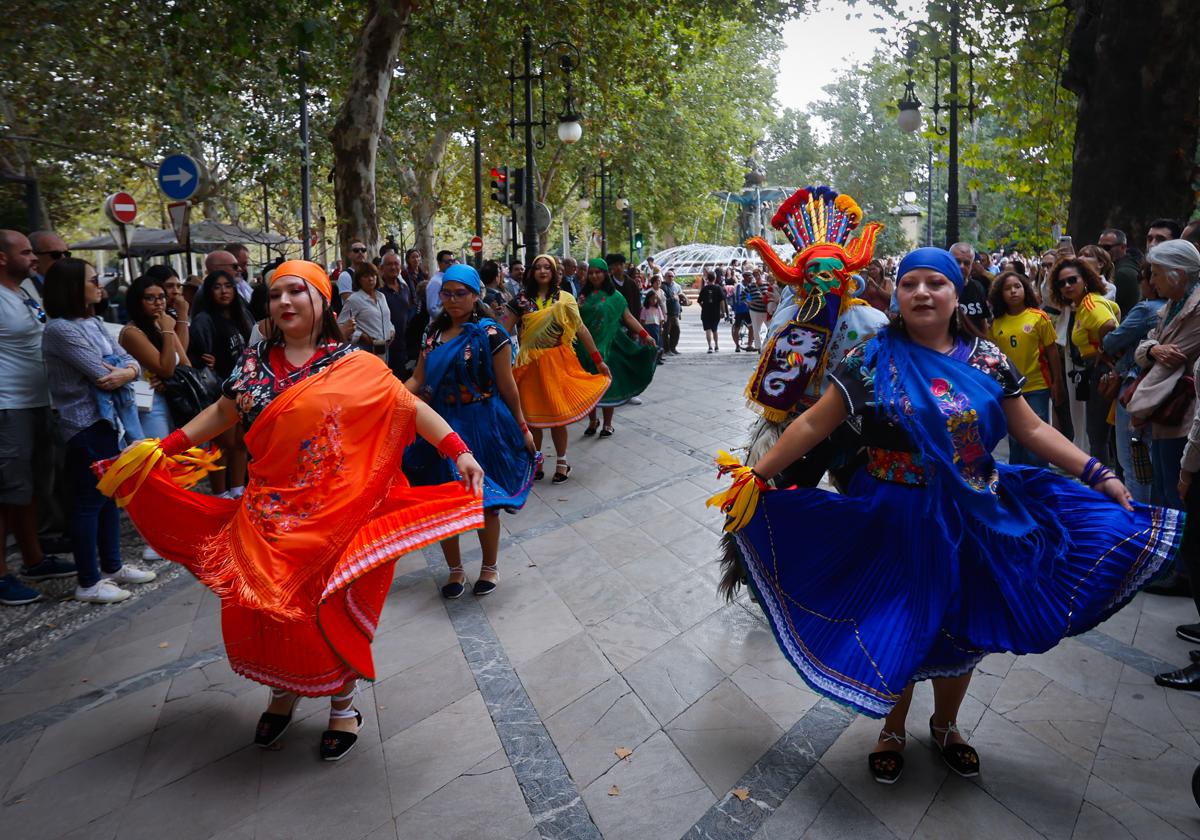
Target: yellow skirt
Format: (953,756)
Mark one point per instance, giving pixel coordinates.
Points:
(556,390)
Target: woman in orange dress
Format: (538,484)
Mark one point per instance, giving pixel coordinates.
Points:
(555,389)
(303,561)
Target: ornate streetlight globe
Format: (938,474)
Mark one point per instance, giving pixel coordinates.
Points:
(570,130)
(909,118)
(622,203)
(909,196)
(584,203)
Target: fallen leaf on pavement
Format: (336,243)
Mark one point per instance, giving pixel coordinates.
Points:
(164,644)
(741,793)
(614,791)
(623,752)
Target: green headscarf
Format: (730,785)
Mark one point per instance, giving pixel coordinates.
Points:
(596,262)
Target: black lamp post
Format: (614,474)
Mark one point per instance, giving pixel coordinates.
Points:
(909,118)
(569,128)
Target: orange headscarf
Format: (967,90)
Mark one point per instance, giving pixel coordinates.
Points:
(310,272)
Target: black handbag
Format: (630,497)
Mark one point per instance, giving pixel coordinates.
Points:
(189,391)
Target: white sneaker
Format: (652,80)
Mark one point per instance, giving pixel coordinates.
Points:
(104,592)
(635,401)
(130,574)
(149,554)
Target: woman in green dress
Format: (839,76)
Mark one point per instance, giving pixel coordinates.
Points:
(606,315)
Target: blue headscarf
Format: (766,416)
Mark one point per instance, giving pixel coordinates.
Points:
(935,259)
(465,274)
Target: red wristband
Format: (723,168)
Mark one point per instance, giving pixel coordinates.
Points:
(452,446)
(524,426)
(644,334)
(597,359)
(175,443)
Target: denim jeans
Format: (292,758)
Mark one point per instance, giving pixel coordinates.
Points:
(156,422)
(655,331)
(1165,456)
(94,521)
(1140,492)
(1039,401)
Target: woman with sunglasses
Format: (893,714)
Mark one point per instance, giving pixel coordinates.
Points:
(1077,288)
(220,330)
(465,374)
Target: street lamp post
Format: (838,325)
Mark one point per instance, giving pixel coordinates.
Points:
(305,186)
(909,118)
(569,128)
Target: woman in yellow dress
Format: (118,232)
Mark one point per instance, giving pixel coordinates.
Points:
(555,389)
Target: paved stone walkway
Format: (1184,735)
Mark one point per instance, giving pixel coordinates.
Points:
(502,717)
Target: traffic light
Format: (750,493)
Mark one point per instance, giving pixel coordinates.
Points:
(639,241)
(500,191)
(518,187)
(627,216)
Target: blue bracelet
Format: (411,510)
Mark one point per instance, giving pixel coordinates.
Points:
(1088,470)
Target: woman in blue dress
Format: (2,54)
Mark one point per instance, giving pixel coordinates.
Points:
(465,374)
(963,556)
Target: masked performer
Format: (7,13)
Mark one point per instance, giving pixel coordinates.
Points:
(938,555)
(819,318)
(465,374)
(631,364)
(303,561)
(555,389)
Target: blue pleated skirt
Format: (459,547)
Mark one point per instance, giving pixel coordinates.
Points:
(865,593)
(496,441)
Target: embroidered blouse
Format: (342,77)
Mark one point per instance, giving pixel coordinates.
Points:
(856,382)
(256,380)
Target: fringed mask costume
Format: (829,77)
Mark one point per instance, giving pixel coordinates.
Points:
(818,222)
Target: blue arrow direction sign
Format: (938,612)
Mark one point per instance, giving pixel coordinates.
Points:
(178,177)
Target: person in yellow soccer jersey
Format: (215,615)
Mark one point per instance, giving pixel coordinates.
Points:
(1026,335)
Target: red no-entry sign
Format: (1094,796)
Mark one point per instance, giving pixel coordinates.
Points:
(120,208)
(476,244)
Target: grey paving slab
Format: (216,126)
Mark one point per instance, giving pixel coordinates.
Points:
(588,731)
(564,673)
(672,678)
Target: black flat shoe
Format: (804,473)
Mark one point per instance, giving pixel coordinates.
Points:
(455,588)
(591,429)
(1185,679)
(335,743)
(1189,633)
(559,474)
(271,726)
(539,475)
(1194,655)
(607,431)
(887,765)
(961,758)
(484,587)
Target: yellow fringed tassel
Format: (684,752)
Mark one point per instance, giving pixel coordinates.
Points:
(136,462)
(739,502)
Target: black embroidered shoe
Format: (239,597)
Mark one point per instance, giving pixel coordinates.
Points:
(335,744)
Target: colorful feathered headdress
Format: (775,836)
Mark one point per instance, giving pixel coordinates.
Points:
(818,222)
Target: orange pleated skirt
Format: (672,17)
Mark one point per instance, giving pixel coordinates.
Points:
(556,390)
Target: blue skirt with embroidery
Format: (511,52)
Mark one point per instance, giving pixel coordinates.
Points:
(489,428)
(864,595)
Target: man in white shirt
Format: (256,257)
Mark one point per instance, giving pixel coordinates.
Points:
(345,281)
(25,443)
(433,290)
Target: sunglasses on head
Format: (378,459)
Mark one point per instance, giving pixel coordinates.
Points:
(56,255)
